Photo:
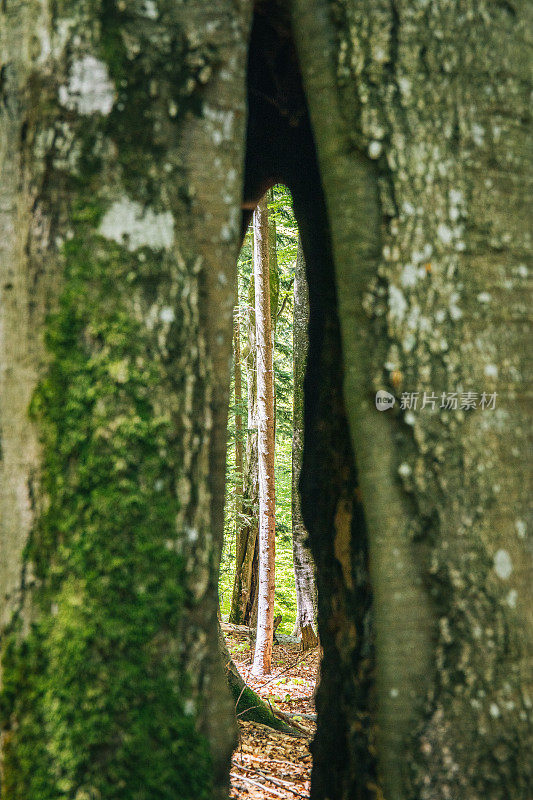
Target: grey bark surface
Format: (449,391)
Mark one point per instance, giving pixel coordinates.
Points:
(122,131)
(429,236)
(265,444)
(304,568)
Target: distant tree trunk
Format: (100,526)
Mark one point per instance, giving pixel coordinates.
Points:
(244,595)
(304,567)
(273,267)
(238,416)
(238,431)
(265,416)
(273,270)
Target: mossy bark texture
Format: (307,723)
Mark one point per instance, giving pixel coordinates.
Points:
(248,705)
(122,129)
(420,118)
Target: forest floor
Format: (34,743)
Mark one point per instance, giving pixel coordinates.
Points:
(269,764)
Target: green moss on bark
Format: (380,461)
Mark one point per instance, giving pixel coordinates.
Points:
(100,695)
(94,701)
(250,707)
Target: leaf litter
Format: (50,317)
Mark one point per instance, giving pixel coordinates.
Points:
(267,763)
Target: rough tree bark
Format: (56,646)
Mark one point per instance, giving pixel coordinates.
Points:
(304,567)
(265,437)
(429,233)
(122,130)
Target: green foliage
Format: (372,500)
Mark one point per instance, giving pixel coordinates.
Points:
(286,247)
(94,698)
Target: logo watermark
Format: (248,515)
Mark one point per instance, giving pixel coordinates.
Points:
(384,400)
(448,401)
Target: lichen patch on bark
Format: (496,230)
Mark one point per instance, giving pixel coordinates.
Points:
(89,88)
(127,222)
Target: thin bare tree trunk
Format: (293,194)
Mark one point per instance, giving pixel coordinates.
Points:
(238,430)
(244,596)
(273,270)
(304,568)
(265,418)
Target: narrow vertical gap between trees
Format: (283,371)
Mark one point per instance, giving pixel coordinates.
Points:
(280,149)
(273,309)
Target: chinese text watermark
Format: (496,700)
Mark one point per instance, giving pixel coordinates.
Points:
(448,401)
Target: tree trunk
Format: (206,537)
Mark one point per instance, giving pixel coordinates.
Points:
(118,244)
(419,117)
(273,267)
(304,567)
(239,461)
(265,427)
(273,270)
(244,596)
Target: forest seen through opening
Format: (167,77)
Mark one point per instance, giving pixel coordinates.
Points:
(286,680)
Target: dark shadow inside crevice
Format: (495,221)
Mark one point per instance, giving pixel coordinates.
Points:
(279,139)
(280,148)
